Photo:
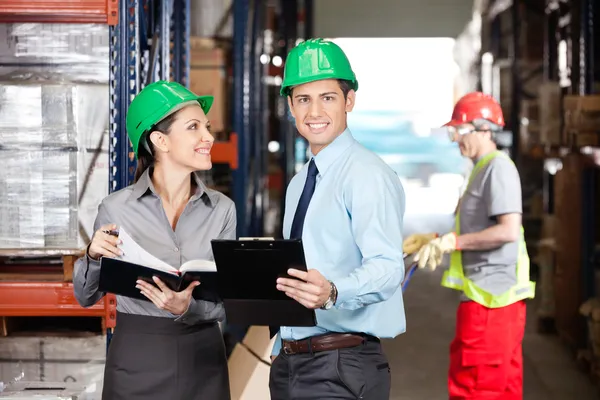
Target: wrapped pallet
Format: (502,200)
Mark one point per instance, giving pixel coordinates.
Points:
(54,109)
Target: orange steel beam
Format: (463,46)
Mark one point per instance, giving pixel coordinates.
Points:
(110,309)
(49,299)
(226,152)
(63,11)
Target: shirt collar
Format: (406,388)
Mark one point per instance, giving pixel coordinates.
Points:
(144,184)
(326,157)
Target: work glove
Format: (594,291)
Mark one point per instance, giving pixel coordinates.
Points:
(432,253)
(414,242)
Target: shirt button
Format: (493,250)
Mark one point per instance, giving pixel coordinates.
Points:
(176,249)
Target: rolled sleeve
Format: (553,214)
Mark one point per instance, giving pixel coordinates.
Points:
(86,273)
(376,205)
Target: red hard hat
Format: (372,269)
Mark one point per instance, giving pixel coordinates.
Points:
(474,106)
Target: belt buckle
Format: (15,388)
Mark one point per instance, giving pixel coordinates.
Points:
(287,350)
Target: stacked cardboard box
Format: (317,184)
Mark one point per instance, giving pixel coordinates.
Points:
(208,76)
(549,98)
(249,365)
(582,120)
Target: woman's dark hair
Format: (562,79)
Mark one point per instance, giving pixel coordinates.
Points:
(145,158)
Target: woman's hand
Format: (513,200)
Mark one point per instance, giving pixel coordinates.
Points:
(104,244)
(164,298)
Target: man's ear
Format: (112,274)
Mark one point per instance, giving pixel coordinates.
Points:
(159,140)
(350,100)
(291,106)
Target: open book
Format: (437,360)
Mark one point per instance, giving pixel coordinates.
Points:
(119,275)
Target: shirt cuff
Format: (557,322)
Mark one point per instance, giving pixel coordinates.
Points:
(347,290)
(202,311)
(87,255)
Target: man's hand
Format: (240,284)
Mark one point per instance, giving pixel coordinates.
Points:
(164,298)
(432,253)
(312,293)
(414,242)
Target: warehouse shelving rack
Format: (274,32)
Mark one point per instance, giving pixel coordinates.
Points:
(148,42)
(262,28)
(568,31)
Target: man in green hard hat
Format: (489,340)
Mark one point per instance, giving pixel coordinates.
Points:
(352,238)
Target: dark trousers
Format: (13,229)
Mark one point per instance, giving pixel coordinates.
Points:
(360,372)
(153,358)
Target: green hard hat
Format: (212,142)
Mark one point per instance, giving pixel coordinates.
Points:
(314,60)
(154,103)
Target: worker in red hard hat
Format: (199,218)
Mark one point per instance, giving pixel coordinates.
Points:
(488,261)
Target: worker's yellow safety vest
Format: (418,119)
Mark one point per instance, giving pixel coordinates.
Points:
(455,278)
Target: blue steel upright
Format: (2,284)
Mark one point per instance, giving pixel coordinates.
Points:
(240,101)
(124,85)
(180,43)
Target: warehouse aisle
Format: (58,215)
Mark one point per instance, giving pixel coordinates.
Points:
(419,358)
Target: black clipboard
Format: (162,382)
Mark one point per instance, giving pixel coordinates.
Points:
(247,273)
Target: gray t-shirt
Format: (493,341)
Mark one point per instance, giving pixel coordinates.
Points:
(496,190)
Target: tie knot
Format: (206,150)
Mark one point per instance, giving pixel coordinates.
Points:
(312,168)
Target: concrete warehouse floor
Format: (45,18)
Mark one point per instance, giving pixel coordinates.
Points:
(419,358)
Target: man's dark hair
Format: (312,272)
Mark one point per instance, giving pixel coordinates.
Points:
(345,85)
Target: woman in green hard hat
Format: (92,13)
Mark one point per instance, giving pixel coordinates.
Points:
(168,346)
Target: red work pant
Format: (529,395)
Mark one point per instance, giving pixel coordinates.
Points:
(486,361)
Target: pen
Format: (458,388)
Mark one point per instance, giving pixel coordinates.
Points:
(111,232)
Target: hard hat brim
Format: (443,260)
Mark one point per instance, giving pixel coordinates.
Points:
(205,103)
(454,123)
(285,90)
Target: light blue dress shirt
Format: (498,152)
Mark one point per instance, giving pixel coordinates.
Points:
(353,236)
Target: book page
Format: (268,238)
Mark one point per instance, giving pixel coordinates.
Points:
(199,265)
(134,253)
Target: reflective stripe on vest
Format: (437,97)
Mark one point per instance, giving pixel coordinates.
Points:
(454,278)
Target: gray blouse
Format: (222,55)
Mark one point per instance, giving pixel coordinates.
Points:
(137,208)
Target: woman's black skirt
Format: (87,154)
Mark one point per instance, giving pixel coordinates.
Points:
(154,358)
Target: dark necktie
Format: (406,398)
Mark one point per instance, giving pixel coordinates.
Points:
(307,192)
(298,222)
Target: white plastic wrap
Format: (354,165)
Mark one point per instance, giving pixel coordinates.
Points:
(54,109)
(57,52)
(49,135)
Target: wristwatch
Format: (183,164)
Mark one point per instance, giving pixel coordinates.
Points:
(330,302)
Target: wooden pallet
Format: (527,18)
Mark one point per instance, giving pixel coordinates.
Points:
(45,265)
